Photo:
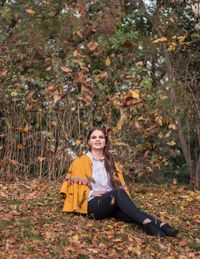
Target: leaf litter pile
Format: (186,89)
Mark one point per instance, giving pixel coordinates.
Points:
(33,226)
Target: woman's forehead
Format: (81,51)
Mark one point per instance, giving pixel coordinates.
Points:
(97,133)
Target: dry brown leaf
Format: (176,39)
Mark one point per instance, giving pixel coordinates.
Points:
(20,146)
(30,11)
(87,99)
(92,45)
(79,34)
(26,128)
(66,69)
(50,87)
(102,75)
(53,124)
(56,97)
(30,94)
(3,72)
(40,158)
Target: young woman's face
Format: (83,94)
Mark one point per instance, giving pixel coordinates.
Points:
(97,140)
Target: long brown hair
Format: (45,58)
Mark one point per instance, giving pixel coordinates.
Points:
(108,158)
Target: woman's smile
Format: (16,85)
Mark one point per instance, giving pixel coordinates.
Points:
(97,140)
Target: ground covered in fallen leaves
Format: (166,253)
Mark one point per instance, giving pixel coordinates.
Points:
(33,226)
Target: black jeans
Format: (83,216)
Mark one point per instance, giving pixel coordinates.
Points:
(119,205)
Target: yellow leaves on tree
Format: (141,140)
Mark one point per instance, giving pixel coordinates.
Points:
(20,146)
(78,142)
(172,46)
(53,124)
(162,39)
(26,128)
(40,158)
(171,143)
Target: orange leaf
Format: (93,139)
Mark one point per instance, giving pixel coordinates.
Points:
(30,11)
(13,162)
(53,124)
(80,77)
(79,34)
(66,69)
(40,158)
(102,75)
(30,94)
(48,68)
(56,97)
(81,10)
(92,45)
(87,99)
(152,127)
(20,146)
(3,72)
(50,87)
(26,128)
(138,125)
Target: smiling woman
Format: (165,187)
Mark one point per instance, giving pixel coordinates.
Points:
(95,186)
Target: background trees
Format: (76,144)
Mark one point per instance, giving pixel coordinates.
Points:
(127,65)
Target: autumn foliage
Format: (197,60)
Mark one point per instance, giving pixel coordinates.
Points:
(133,68)
(34,227)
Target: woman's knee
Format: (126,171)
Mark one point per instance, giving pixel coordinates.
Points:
(119,192)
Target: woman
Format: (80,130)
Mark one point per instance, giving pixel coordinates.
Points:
(94,185)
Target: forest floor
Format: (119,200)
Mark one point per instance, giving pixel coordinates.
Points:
(33,226)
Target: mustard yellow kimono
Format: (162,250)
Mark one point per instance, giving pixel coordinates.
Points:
(77,185)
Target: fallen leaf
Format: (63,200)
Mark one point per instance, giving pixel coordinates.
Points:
(107,61)
(134,94)
(79,34)
(102,75)
(92,45)
(66,69)
(30,11)
(56,97)
(50,87)
(3,71)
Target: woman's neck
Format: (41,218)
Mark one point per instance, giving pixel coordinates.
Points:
(98,154)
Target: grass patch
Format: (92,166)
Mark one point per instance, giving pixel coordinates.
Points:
(26,223)
(45,221)
(32,235)
(5,223)
(104,240)
(194,246)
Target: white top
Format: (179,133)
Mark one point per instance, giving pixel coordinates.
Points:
(100,177)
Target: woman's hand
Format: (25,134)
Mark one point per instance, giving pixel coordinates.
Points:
(98,193)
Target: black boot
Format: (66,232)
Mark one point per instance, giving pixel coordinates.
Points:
(152,230)
(169,231)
